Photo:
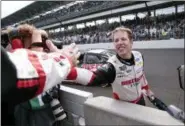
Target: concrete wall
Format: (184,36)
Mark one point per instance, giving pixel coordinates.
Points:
(154,44)
(84,109)
(106,111)
(72,101)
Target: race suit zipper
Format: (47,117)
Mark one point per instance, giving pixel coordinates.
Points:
(135,81)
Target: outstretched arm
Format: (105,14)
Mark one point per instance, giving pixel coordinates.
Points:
(104,74)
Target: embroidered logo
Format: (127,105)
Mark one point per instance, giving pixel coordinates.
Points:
(123,68)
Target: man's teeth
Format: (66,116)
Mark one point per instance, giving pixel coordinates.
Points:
(122,48)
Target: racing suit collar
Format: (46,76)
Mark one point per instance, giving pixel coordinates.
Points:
(128,62)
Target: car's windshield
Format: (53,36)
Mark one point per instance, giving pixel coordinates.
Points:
(109,53)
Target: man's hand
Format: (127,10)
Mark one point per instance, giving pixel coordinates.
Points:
(43,33)
(70,51)
(26,30)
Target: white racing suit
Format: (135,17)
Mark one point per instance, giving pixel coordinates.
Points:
(25,74)
(37,69)
(127,79)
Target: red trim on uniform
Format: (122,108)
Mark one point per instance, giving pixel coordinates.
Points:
(144,78)
(146,87)
(135,101)
(73,74)
(115,95)
(92,79)
(16,44)
(27,83)
(37,65)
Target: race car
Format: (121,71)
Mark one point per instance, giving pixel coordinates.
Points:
(92,59)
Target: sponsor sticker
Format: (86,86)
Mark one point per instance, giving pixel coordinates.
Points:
(128,71)
(139,70)
(139,64)
(123,68)
(137,59)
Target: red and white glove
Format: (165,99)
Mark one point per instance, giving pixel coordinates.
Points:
(68,51)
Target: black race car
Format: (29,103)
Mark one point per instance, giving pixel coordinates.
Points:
(92,59)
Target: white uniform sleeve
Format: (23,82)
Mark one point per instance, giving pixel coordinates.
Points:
(37,68)
(81,76)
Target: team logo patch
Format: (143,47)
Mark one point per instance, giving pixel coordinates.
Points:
(62,64)
(31,73)
(128,71)
(121,74)
(139,70)
(123,68)
(137,59)
(139,64)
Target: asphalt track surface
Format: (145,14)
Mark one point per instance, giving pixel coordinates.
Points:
(161,72)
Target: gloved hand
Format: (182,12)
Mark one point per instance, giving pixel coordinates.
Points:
(26,30)
(148,93)
(70,51)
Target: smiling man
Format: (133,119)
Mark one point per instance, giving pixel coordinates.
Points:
(124,71)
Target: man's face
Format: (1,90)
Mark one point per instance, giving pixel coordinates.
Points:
(122,43)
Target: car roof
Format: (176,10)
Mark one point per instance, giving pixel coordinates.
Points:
(96,50)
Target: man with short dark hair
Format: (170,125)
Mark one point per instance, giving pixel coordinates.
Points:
(124,71)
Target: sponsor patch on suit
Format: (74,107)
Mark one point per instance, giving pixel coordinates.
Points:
(123,68)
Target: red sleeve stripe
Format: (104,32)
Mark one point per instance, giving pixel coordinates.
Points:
(73,74)
(135,101)
(146,87)
(27,83)
(42,76)
(116,96)
(92,78)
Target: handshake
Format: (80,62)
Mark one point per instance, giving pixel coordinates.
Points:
(71,52)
